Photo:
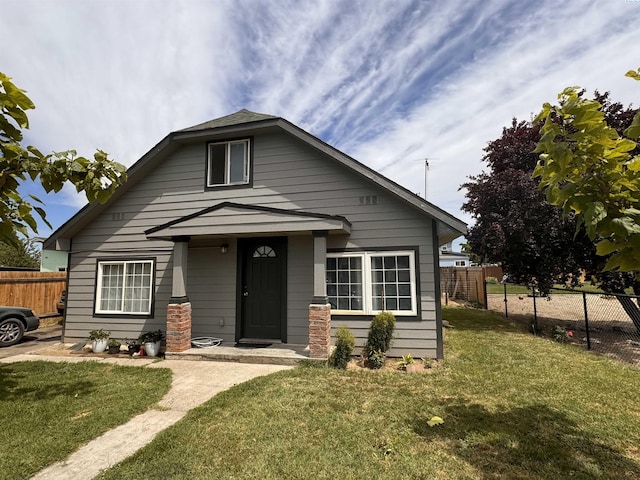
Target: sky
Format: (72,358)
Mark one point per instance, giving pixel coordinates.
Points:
(390,83)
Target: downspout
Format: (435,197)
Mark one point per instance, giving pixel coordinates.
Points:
(437,292)
(66,301)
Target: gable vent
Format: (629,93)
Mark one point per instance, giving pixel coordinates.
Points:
(117,216)
(369,200)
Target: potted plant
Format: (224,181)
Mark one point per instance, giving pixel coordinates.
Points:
(133,346)
(151,342)
(99,340)
(113,345)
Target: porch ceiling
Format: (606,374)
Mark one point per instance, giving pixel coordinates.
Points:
(228,219)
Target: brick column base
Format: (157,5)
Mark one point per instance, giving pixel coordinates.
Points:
(178,327)
(319,330)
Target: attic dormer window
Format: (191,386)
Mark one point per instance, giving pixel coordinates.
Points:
(228,163)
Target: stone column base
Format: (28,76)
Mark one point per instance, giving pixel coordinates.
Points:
(178,327)
(319,330)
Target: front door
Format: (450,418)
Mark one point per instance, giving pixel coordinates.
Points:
(262,289)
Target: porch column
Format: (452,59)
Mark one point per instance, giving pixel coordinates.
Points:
(319,309)
(179,308)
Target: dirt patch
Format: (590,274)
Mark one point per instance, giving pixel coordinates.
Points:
(391,365)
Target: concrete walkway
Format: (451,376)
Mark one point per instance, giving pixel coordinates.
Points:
(194,382)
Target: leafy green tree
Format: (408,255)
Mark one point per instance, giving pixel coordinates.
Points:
(588,168)
(19,253)
(514,224)
(97,178)
(517,227)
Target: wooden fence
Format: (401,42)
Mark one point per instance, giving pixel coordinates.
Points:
(466,283)
(39,291)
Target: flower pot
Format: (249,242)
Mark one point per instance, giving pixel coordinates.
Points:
(152,349)
(114,349)
(99,346)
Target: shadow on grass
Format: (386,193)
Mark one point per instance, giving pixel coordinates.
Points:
(8,381)
(526,442)
(12,378)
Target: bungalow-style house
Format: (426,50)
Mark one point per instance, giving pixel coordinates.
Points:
(249,229)
(449,258)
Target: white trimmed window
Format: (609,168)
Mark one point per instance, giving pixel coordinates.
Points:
(228,163)
(369,282)
(460,263)
(124,287)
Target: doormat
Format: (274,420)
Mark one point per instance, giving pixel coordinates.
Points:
(253,345)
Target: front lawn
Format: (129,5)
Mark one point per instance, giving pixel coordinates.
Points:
(48,410)
(514,406)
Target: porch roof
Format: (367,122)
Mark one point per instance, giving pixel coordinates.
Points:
(230,218)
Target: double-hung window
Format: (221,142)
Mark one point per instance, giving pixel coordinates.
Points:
(124,287)
(228,163)
(370,282)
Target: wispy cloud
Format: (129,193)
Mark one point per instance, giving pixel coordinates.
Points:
(389,82)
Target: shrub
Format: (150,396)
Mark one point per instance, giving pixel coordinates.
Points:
(561,335)
(379,339)
(491,280)
(345,342)
(375,359)
(381,332)
(406,360)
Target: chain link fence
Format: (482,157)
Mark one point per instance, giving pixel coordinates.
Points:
(605,323)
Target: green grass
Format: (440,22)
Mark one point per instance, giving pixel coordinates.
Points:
(48,410)
(514,406)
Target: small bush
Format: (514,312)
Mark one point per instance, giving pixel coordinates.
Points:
(561,335)
(345,343)
(374,359)
(379,339)
(406,360)
(491,280)
(381,332)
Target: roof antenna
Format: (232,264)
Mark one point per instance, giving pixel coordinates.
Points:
(426,171)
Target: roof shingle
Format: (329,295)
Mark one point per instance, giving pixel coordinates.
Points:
(237,118)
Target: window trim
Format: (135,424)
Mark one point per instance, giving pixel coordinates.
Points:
(248,161)
(367,288)
(100,262)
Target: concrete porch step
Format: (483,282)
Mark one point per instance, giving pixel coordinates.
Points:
(283,354)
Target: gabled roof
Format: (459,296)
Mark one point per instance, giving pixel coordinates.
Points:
(230,218)
(242,122)
(240,117)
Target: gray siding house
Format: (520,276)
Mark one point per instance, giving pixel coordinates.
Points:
(249,229)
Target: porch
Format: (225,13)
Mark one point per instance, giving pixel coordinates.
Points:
(248,265)
(276,354)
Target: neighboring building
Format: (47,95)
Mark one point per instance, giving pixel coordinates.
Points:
(449,258)
(53,261)
(247,228)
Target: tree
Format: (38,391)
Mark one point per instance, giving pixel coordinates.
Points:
(97,178)
(19,253)
(516,226)
(591,169)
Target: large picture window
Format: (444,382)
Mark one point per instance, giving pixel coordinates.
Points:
(228,163)
(124,287)
(369,282)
